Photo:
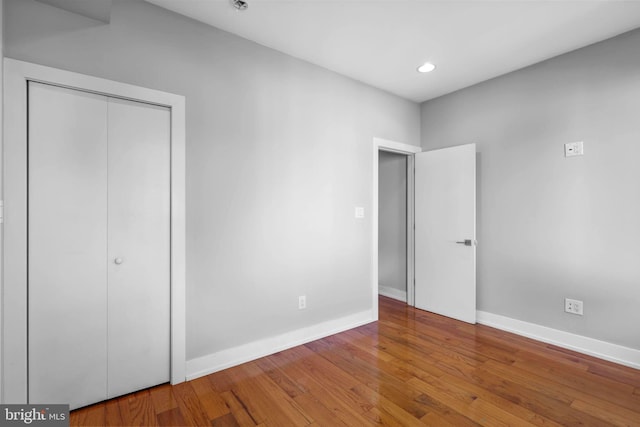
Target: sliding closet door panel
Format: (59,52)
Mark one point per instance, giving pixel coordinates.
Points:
(67,241)
(139,246)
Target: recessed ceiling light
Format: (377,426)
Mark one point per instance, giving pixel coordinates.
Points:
(427,67)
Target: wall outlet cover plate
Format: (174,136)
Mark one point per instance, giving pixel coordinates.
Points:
(574,149)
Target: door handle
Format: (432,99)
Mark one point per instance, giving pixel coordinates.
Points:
(118,261)
(467,242)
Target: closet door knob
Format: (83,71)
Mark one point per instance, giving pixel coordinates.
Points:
(118,261)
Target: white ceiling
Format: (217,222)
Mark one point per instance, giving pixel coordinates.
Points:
(382,42)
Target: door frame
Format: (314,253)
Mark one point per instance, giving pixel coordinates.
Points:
(380,144)
(17,74)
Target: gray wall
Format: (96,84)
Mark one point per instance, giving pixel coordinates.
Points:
(278,155)
(551,227)
(392,221)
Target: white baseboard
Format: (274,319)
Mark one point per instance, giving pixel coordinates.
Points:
(247,352)
(392,293)
(601,349)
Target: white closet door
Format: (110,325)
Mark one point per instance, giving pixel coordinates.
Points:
(139,246)
(99,246)
(67,289)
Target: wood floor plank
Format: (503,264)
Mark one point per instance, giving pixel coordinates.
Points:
(579,379)
(88,416)
(379,380)
(493,415)
(400,351)
(342,400)
(608,412)
(462,376)
(550,402)
(170,417)
(377,417)
(347,414)
(214,405)
(222,381)
(457,400)
(537,349)
(312,370)
(579,384)
(227,420)
(394,408)
(140,408)
(409,368)
(239,411)
(500,402)
(113,416)
(320,414)
(440,410)
(280,378)
(264,400)
(162,398)
(483,407)
(351,351)
(190,406)
(125,411)
(366,343)
(609,370)
(436,420)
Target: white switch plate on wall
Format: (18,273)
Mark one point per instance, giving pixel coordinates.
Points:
(573,149)
(359,212)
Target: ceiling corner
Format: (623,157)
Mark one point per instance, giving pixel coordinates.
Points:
(99,10)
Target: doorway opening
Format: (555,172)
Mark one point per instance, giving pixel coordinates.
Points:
(403,288)
(392,225)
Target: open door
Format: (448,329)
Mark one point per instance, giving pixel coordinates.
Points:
(445,232)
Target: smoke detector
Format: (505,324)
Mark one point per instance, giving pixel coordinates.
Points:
(240,4)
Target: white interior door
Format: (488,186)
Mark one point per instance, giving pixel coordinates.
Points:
(99,246)
(445,232)
(139,246)
(67,248)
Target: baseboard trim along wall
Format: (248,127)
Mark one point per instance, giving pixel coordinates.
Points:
(600,349)
(394,293)
(224,359)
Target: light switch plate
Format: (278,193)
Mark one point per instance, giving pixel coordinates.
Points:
(573,149)
(359,212)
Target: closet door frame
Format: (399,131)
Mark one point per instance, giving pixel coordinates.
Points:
(14,325)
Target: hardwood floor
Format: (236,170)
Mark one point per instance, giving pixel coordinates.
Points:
(409,368)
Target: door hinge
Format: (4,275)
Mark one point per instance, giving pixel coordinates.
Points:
(1,211)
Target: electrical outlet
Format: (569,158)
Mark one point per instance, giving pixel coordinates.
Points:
(573,149)
(302,302)
(573,306)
